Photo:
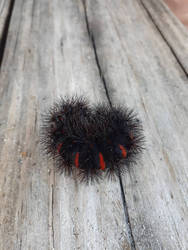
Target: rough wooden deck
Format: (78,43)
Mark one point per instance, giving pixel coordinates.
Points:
(132,52)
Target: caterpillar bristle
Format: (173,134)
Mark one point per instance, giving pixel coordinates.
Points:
(93,142)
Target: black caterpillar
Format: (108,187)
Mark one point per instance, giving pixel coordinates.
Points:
(93,140)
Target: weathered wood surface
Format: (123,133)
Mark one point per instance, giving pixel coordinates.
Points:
(5,14)
(153,83)
(4,11)
(125,60)
(173,31)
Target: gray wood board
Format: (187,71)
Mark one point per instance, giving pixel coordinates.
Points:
(172,30)
(4,11)
(141,71)
(48,54)
(5,14)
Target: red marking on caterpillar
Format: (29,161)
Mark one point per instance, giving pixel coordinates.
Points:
(123,151)
(102,162)
(59,147)
(88,139)
(77,160)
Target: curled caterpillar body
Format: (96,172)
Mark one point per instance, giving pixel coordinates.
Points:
(121,137)
(91,141)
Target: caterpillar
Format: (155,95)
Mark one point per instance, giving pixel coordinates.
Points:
(94,141)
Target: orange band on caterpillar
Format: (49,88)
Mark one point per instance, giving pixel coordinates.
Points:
(77,160)
(102,162)
(123,151)
(59,147)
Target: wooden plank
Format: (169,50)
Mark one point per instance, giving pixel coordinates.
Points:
(48,54)
(84,217)
(171,28)
(4,11)
(140,71)
(5,15)
(24,181)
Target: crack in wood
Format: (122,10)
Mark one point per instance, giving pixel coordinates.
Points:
(5,31)
(129,228)
(51,211)
(127,220)
(95,52)
(52,204)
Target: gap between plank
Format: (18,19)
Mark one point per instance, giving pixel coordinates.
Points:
(51,210)
(127,220)
(164,38)
(5,31)
(95,52)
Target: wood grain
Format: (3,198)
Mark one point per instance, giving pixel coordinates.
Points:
(48,54)
(140,71)
(4,11)
(172,30)
(110,51)
(5,15)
